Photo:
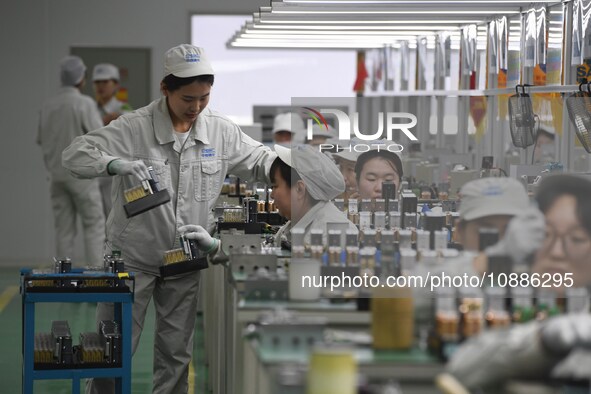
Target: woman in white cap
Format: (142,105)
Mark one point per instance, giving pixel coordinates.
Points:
(191,148)
(304,181)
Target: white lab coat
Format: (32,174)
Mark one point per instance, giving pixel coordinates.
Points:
(64,117)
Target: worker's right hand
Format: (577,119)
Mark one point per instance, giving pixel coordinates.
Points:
(524,235)
(126,167)
(205,242)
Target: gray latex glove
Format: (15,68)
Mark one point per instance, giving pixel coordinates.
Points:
(523,237)
(126,167)
(205,242)
(562,334)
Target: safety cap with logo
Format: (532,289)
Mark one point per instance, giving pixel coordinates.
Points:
(186,61)
(105,72)
(320,174)
(72,70)
(492,196)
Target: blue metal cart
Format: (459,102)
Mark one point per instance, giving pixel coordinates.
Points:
(122,297)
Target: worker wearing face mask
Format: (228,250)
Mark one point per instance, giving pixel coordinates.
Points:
(191,149)
(63,117)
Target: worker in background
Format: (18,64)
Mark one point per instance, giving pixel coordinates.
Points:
(63,117)
(191,149)
(320,135)
(544,151)
(105,77)
(549,348)
(304,181)
(375,167)
(286,127)
(488,203)
(564,199)
(346,161)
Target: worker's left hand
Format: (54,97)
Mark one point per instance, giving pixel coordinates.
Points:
(205,242)
(524,235)
(562,334)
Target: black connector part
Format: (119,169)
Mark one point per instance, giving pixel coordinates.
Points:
(183,267)
(146,203)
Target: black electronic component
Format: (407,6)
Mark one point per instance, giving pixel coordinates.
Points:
(388,193)
(487,237)
(487,162)
(185,259)
(408,204)
(110,338)
(62,340)
(145,197)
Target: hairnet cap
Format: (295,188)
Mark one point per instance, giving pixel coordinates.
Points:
(492,196)
(186,61)
(72,70)
(288,122)
(321,176)
(105,72)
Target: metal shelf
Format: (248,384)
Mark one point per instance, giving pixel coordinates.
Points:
(122,301)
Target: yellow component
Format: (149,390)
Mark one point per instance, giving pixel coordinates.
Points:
(134,193)
(122,275)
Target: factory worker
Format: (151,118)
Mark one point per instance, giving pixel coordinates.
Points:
(559,347)
(304,181)
(105,77)
(286,126)
(191,149)
(320,135)
(565,249)
(564,199)
(544,150)
(488,203)
(375,167)
(63,117)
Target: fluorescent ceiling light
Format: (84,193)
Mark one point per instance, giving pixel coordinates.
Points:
(351,27)
(296,33)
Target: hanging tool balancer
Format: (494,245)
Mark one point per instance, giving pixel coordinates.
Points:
(146,196)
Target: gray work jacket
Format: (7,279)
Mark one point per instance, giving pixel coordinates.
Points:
(192,173)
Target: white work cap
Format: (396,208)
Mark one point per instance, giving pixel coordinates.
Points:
(72,70)
(320,174)
(290,122)
(105,72)
(492,196)
(186,61)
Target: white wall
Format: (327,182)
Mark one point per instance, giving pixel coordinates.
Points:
(34,36)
